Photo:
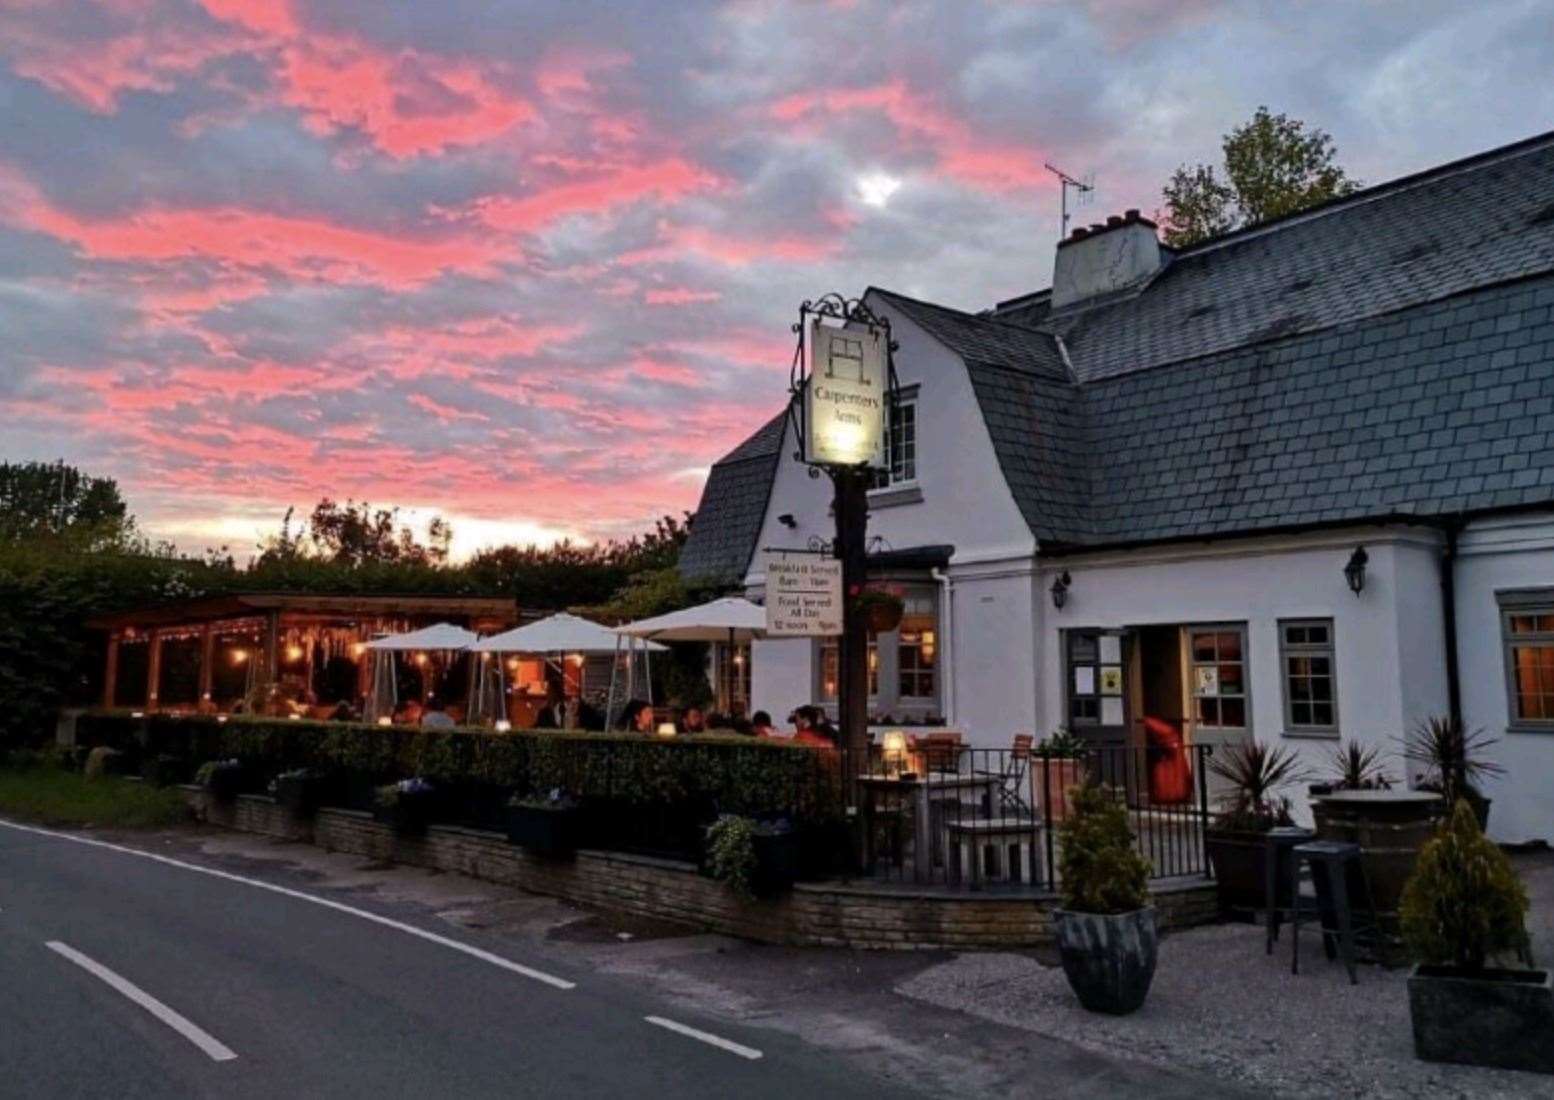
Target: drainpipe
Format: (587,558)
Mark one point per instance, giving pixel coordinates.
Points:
(946,647)
(1451,529)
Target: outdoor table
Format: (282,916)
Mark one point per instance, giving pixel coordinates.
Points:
(927,793)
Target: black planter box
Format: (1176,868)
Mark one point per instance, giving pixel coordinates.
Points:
(302,794)
(163,771)
(543,830)
(776,863)
(361,791)
(409,814)
(1500,1018)
(225,784)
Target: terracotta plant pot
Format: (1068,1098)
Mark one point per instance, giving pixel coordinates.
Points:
(1109,960)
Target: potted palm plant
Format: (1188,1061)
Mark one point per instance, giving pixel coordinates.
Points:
(1354,766)
(1453,762)
(1105,931)
(1462,916)
(1237,839)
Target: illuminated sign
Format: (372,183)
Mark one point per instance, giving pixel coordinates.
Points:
(844,402)
(803,597)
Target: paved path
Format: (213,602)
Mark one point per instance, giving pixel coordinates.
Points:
(318,1001)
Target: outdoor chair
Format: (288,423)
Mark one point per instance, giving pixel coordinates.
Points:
(1012,781)
(937,753)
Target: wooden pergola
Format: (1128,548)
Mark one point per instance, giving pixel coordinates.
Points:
(272,636)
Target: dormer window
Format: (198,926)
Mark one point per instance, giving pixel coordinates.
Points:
(900,446)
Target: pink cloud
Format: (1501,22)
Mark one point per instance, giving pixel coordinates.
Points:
(666,180)
(679,296)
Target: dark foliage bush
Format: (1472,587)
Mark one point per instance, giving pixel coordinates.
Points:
(1101,871)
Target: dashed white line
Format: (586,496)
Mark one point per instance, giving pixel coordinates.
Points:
(706,1037)
(214,1048)
(387,922)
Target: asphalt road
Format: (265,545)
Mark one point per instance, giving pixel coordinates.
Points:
(319,1002)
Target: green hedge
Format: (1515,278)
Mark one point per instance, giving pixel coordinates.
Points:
(737,774)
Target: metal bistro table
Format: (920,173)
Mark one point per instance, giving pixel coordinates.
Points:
(928,798)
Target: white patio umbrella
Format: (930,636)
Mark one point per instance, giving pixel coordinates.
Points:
(560,635)
(385,689)
(732,620)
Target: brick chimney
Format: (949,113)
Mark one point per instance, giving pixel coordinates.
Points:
(1102,258)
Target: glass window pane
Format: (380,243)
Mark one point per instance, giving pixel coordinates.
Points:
(1316,634)
(1322,689)
(1230,646)
(1233,713)
(1523,624)
(1081,647)
(1111,711)
(1546,624)
(1300,713)
(1300,688)
(1294,635)
(1111,649)
(1203,648)
(1322,714)
(1208,712)
(1230,680)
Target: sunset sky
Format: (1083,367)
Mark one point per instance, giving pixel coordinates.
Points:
(532,265)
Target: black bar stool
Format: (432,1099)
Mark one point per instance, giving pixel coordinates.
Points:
(1331,862)
(1277,904)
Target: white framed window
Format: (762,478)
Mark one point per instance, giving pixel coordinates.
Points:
(900,447)
(903,663)
(1307,659)
(1218,660)
(1527,629)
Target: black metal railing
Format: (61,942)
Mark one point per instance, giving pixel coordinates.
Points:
(970,818)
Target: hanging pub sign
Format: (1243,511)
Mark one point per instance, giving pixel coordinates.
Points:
(846,398)
(803,597)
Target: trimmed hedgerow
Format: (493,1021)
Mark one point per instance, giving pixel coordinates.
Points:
(733,773)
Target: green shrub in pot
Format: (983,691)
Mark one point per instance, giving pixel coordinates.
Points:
(1462,916)
(1105,931)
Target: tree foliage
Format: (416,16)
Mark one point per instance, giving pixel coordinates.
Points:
(354,534)
(1463,905)
(55,501)
(1273,166)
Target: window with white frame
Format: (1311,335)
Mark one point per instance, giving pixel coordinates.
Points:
(1306,654)
(900,447)
(903,663)
(1527,628)
(1219,677)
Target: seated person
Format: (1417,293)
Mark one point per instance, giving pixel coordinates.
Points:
(408,713)
(436,716)
(814,729)
(761,725)
(553,715)
(693,721)
(637,716)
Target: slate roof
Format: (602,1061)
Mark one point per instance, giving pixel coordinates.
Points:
(733,505)
(1385,356)
(1422,238)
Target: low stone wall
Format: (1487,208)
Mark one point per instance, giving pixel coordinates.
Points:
(813,914)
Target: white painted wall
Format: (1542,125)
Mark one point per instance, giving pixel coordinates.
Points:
(1503,554)
(1382,681)
(965,502)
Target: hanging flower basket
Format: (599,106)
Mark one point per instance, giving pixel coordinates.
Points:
(881,610)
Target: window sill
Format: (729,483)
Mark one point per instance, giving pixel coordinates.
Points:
(1530,727)
(895,496)
(1313,735)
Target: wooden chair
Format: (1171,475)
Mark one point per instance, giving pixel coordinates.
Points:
(1016,770)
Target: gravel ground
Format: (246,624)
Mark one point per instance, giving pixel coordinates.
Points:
(1219,1004)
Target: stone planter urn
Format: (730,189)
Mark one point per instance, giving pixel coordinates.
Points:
(1109,959)
(1500,1018)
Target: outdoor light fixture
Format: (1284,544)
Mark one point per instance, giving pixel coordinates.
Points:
(385,720)
(894,746)
(502,725)
(1354,572)
(666,729)
(420,658)
(1060,589)
(239,656)
(221,719)
(295,717)
(294,653)
(787,520)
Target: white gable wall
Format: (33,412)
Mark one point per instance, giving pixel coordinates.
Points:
(965,502)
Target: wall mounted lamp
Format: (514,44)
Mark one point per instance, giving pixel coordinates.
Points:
(1059,589)
(1354,572)
(787,520)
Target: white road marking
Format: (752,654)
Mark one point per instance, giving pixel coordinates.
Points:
(706,1037)
(387,922)
(213,1047)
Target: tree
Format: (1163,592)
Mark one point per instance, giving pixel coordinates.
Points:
(352,534)
(1273,166)
(52,499)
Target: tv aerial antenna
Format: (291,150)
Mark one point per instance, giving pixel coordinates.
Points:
(1084,192)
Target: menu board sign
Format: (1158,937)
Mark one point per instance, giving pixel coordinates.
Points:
(803,597)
